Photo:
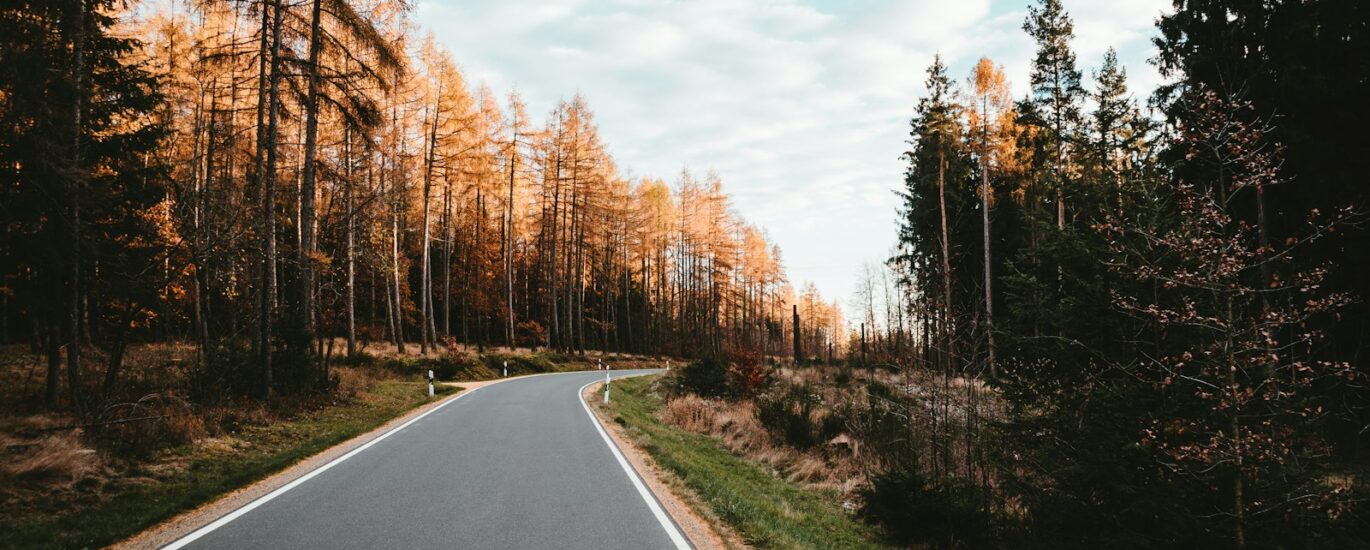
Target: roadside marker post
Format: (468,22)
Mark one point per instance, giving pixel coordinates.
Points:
(430,383)
(606,386)
(506,369)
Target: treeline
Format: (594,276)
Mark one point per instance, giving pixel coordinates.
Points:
(1166,299)
(260,178)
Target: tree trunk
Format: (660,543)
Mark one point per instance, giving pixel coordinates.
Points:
(509,239)
(947,332)
(985,205)
(305,284)
(267,187)
(426,277)
(54,377)
(77,176)
(350,253)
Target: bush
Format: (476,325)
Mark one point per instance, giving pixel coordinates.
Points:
(519,364)
(749,376)
(456,366)
(915,511)
(530,334)
(155,421)
(843,377)
(883,426)
(794,415)
(706,377)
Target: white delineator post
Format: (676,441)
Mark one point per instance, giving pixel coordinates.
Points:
(606,386)
(430,383)
(506,369)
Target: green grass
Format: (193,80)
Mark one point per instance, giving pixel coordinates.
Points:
(212,471)
(766,511)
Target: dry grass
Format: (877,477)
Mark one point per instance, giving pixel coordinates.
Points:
(56,459)
(841,463)
(736,425)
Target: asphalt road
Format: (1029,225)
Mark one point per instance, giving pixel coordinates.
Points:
(518,465)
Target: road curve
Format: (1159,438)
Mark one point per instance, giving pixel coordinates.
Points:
(519,465)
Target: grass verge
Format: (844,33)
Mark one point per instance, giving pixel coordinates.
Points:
(766,511)
(207,470)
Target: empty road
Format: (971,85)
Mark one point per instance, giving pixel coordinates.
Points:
(518,465)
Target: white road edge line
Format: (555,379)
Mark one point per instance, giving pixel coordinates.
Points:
(671,530)
(192,537)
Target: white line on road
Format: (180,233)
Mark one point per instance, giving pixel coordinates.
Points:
(671,530)
(181,542)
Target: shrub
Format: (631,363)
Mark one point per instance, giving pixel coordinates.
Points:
(794,415)
(749,376)
(519,364)
(530,334)
(884,427)
(916,511)
(843,377)
(706,377)
(154,421)
(455,366)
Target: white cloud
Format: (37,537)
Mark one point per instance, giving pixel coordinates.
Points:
(801,107)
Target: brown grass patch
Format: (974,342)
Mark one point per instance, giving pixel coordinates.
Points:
(56,458)
(735,424)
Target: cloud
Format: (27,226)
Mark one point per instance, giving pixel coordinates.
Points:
(801,107)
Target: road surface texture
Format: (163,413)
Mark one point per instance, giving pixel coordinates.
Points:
(518,465)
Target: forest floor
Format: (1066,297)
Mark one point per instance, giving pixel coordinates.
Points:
(67,485)
(768,495)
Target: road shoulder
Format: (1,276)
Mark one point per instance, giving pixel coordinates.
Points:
(691,515)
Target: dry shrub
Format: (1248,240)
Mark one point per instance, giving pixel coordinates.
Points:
(749,374)
(736,425)
(690,413)
(733,423)
(354,381)
(234,417)
(153,421)
(185,428)
(56,457)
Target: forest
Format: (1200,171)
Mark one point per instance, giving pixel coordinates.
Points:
(1112,318)
(259,179)
(1162,298)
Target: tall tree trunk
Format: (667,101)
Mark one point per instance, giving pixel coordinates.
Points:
(476,262)
(397,298)
(54,351)
(985,205)
(449,236)
(304,289)
(77,181)
(948,334)
(426,277)
(509,239)
(267,187)
(350,251)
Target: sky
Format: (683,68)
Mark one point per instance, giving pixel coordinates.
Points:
(801,107)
